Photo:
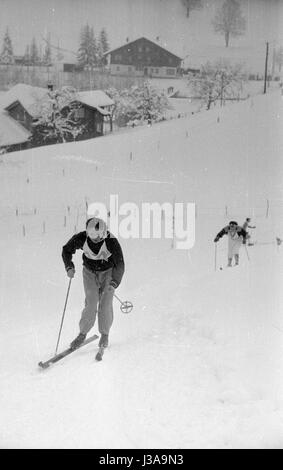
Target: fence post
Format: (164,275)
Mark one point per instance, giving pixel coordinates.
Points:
(267,208)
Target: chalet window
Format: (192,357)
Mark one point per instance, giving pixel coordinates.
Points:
(147,48)
(99,127)
(117,68)
(118,57)
(140,48)
(139,67)
(170,71)
(79,113)
(156,70)
(170,60)
(129,69)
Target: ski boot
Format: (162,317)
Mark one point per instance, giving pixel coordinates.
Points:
(78,341)
(103,342)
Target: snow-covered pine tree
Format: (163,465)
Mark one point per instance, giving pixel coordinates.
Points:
(87,52)
(103,46)
(33,53)
(57,118)
(7,55)
(47,55)
(27,55)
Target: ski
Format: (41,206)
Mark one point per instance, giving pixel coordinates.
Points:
(100,353)
(65,353)
(227,267)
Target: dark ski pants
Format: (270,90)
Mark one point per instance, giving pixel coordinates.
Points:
(98,301)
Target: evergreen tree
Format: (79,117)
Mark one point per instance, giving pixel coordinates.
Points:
(87,53)
(7,55)
(229,21)
(47,56)
(103,46)
(33,52)
(27,55)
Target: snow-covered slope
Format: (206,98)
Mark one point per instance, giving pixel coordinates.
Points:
(197,364)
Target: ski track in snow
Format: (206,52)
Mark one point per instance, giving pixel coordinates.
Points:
(197,364)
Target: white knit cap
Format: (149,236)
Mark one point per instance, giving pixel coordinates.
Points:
(96,229)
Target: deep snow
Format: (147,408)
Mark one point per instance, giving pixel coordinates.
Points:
(198,363)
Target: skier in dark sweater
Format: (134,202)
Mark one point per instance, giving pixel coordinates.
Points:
(103,269)
(236,236)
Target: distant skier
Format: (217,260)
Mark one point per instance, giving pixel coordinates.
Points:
(245,227)
(103,269)
(236,236)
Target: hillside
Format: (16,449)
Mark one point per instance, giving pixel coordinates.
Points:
(197,364)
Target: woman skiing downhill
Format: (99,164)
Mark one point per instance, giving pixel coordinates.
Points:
(103,269)
(236,237)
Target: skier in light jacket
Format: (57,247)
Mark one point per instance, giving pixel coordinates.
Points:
(236,236)
(103,269)
(247,225)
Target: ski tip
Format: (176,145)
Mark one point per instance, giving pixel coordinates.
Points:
(99,355)
(43,365)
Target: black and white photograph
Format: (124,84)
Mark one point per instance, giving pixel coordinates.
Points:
(141,211)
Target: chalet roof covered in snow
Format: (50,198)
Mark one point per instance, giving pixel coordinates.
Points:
(95,99)
(147,40)
(27,95)
(11,132)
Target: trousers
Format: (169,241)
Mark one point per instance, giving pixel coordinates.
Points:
(98,301)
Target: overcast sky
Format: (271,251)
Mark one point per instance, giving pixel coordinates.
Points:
(134,18)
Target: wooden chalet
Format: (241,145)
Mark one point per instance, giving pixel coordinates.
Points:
(20,108)
(95,111)
(143,57)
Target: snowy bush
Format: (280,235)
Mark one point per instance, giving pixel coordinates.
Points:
(138,104)
(57,120)
(217,82)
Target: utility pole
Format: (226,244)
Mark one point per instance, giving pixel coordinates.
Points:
(266,63)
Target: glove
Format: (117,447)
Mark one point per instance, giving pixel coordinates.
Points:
(71,272)
(216,239)
(112,286)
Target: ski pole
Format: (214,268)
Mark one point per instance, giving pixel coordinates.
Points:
(247,253)
(126,306)
(215,256)
(63,315)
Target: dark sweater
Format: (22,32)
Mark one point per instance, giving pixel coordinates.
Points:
(115,260)
(240,231)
